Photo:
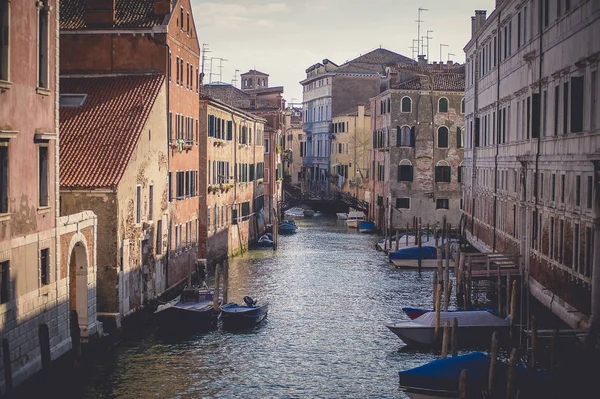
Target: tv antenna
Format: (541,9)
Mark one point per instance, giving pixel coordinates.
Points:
(418,21)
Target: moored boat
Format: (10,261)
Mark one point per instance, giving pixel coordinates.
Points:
(413,313)
(240,316)
(366,227)
(402,242)
(192,310)
(342,216)
(408,258)
(287,227)
(308,213)
(440,379)
(265,241)
(474,328)
(355,218)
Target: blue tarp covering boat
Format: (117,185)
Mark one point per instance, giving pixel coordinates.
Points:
(366,227)
(287,227)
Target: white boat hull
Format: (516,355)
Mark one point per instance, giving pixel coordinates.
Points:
(342,216)
(469,336)
(354,223)
(414,263)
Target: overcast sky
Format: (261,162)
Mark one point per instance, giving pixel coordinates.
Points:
(284,37)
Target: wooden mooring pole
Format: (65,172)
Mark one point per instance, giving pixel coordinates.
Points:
(512,371)
(434,291)
(397,239)
(406,235)
(454,344)
(533,341)
(445,339)
(418,238)
(513,309)
(216,293)
(462,384)
(437,313)
(493,361)
(226,281)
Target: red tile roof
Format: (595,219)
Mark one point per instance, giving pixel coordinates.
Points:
(98,138)
(128,14)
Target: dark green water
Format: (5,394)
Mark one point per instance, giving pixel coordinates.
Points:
(330,294)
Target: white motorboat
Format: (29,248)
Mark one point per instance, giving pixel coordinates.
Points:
(342,216)
(474,328)
(355,218)
(391,246)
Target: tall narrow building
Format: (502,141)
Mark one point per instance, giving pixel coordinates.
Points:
(47,262)
(127,39)
(532,148)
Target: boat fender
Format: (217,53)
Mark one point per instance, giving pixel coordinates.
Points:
(249,301)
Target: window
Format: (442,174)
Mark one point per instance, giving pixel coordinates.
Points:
(562,189)
(553,187)
(181,18)
(43,56)
(443,104)
(460,173)
(590,192)
(3,178)
(404,136)
(442,203)
(170,183)
(267,149)
(442,139)
(4,281)
(45,266)
(43,176)
(405,171)
(403,203)
(138,201)
(556,108)
(577,104)
(442,172)
(576,248)
(150,201)
(552,229)
(406,104)
(4,40)
(593,101)
(159,237)
(589,252)
(566,108)
(462,104)
(459,136)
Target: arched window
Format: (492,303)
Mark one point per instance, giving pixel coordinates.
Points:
(404,136)
(405,171)
(462,106)
(442,172)
(442,139)
(406,104)
(443,104)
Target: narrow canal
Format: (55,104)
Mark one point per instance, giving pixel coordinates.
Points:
(330,294)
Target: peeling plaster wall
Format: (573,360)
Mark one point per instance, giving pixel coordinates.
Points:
(142,276)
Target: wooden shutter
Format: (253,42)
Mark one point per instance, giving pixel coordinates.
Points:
(413,137)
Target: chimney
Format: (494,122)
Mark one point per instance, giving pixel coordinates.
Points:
(450,63)
(162,7)
(479,19)
(422,60)
(99,13)
(473,27)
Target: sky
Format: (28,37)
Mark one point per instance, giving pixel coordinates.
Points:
(284,37)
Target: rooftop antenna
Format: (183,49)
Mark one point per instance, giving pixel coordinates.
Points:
(235,79)
(221,68)
(205,50)
(442,45)
(415,49)
(418,21)
(449,54)
(428,37)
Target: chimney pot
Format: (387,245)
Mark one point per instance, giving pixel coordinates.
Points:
(422,60)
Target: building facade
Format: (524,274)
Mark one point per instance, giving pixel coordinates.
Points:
(328,90)
(233,151)
(136,37)
(351,151)
(130,197)
(417,146)
(532,147)
(47,262)
(295,145)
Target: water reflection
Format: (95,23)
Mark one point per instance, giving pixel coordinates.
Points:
(330,294)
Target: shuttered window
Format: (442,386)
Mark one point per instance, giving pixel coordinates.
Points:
(442,174)
(577,104)
(405,173)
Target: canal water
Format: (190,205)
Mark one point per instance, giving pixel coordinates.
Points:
(330,294)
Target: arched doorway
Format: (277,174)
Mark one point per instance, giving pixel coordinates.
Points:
(78,293)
